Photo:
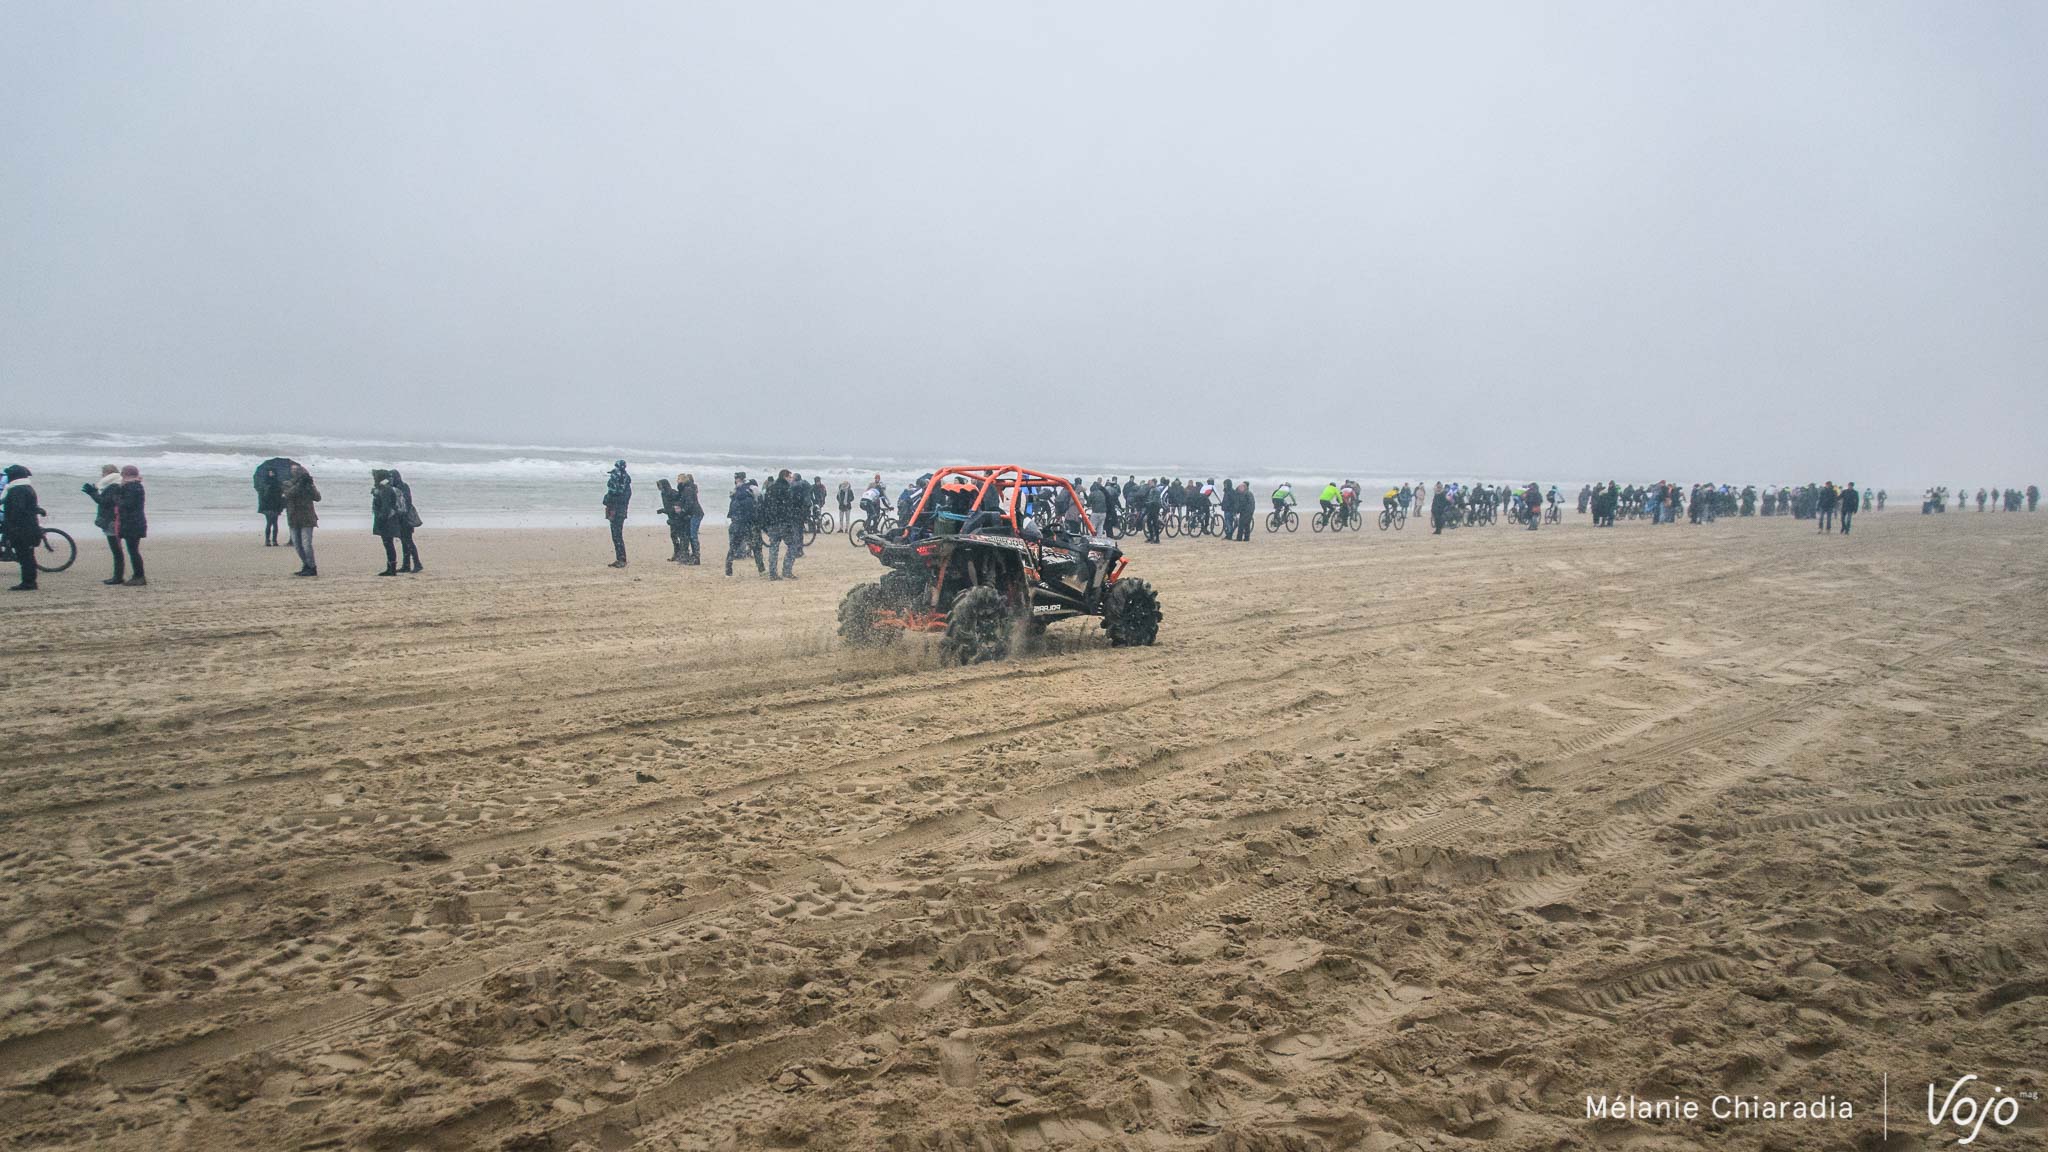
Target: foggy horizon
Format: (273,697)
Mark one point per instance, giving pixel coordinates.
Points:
(1758,246)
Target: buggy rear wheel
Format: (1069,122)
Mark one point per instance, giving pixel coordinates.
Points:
(1132,615)
(859,617)
(978,626)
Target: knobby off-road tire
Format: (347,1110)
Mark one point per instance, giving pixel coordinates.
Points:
(1132,615)
(858,611)
(978,626)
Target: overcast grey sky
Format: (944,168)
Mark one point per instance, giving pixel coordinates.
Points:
(1749,240)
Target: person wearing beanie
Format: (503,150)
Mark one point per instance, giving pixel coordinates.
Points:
(134,522)
(107,518)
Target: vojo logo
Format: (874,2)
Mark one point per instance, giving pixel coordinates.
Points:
(1967,1113)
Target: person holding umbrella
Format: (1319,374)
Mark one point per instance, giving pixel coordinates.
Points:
(270,480)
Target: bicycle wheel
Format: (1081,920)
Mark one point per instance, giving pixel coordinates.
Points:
(1293,521)
(1400,520)
(57,552)
(826,524)
(1319,521)
(1272,521)
(1386,519)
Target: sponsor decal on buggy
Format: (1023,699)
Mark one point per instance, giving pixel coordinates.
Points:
(1010,542)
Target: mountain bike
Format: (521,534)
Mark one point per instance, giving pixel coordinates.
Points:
(857,528)
(1282,518)
(57,552)
(819,521)
(1395,518)
(1552,514)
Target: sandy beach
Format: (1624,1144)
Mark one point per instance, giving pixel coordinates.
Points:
(1393,841)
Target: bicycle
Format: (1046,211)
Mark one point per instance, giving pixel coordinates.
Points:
(1280,518)
(1335,519)
(56,542)
(1395,518)
(1553,514)
(857,529)
(818,522)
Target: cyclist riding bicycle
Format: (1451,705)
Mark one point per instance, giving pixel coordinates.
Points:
(1283,498)
(1330,496)
(1390,499)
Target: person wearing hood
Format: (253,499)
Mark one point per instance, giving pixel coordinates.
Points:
(693,517)
(20,523)
(671,509)
(408,519)
(107,499)
(300,494)
(618,496)
(269,501)
(742,535)
(384,517)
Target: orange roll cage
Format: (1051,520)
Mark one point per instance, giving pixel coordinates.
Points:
(1015,478)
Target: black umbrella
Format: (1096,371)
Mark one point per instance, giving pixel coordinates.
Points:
(279,467)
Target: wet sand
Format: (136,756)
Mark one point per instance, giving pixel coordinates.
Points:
(1393,841)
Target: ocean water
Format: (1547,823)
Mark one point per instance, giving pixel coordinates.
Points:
(202,481)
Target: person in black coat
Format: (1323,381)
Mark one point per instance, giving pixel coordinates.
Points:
(693,516)
(385,516)
(20,523)
(134,522)
(408,519)
(269,501)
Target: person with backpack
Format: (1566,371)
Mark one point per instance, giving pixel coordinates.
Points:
(408,519)
(618,497)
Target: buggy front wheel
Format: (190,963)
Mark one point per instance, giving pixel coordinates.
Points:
(978,626)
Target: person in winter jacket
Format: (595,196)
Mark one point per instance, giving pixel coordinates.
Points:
(408,519)
(385,516)
(783,506)
(300,494)
(107,499)
(20,522)
(743,535)
(618,497)
(671,509)
(693,517)
(269,501)
(1851,503)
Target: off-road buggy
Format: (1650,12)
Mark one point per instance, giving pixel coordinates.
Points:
(975,563)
